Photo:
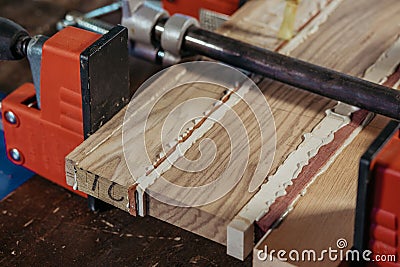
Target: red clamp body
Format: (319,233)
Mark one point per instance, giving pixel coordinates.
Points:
(45,137)
(192,8)
(378,201)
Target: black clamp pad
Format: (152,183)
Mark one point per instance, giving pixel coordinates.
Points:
(366,186)
(105,79)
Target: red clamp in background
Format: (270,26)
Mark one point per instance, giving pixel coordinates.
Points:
(378,199)
(193,8)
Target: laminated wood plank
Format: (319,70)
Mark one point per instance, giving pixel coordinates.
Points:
(326,212)
(330,201)
(98,166)
(241,228)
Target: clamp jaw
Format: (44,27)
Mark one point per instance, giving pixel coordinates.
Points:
(378,210)
(141,19)
(81,80)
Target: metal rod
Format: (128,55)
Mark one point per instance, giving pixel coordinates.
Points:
(90,24)
(322,81)
(104,10)
(301,74)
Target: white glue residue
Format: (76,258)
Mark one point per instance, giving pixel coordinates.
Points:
(180,147)
(322,134)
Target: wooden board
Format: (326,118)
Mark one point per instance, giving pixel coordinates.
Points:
(330,201)
(240,231)
(101,170)
(98,164)
(326,212)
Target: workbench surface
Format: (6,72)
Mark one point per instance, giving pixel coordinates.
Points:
(41,223)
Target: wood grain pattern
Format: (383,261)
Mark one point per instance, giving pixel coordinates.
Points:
(99,162)
(325,154)
(339,226)
(100,169)
(326,212)
(259,21)
(384,71)
(242,226)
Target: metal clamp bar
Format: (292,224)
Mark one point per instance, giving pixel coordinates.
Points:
(316,79)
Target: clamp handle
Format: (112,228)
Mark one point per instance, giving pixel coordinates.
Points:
(14,40)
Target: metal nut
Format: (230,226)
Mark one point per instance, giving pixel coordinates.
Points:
(11,117)
(142,22)
(15,155)
(174,31)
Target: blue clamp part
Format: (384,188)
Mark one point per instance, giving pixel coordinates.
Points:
(11,175)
